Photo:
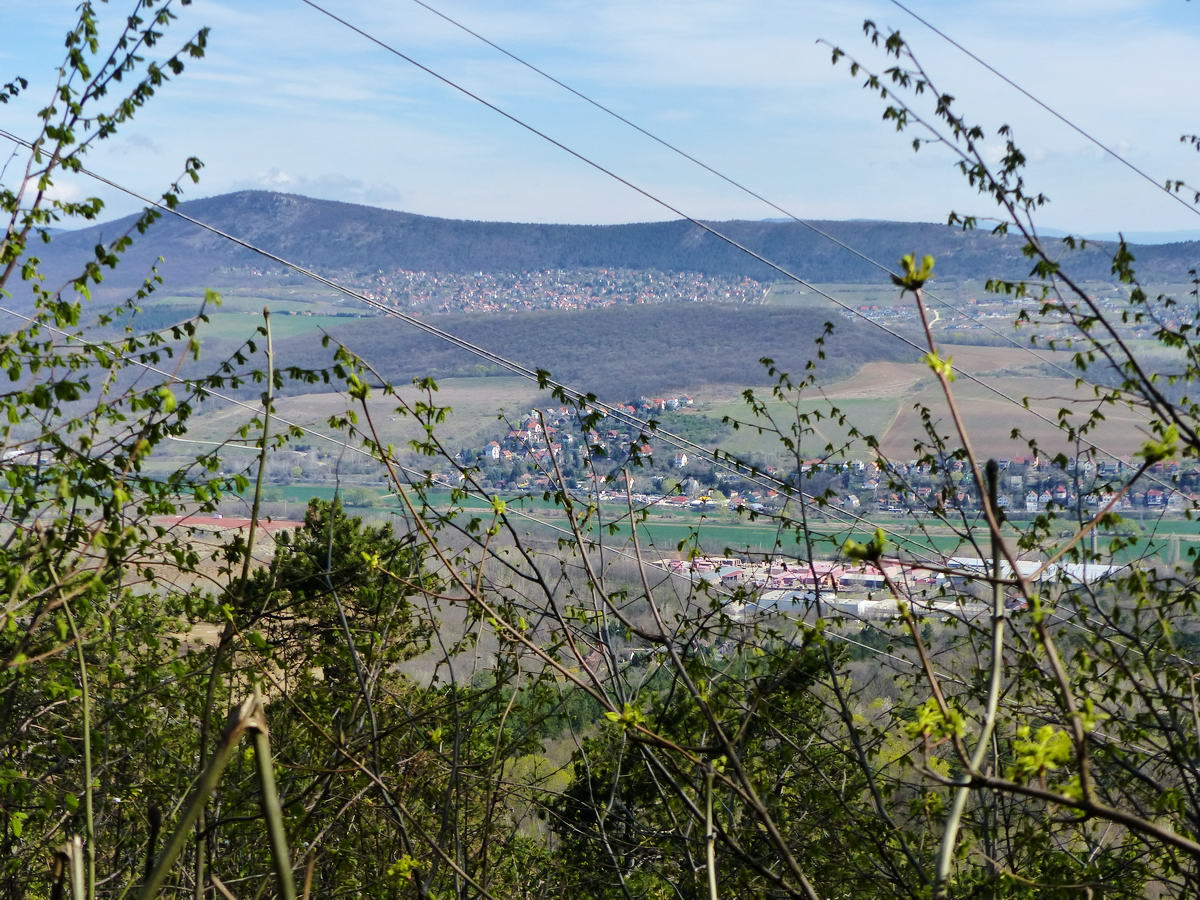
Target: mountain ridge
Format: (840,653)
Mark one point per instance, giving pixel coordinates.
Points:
(332,235)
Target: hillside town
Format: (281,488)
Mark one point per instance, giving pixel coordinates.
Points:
(551,289)
(545,444)
(1004,314)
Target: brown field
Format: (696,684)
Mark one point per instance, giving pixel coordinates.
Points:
(990,419)
(475,404)
(880,398)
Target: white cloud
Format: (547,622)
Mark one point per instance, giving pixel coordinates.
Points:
(64,189)
(330,186)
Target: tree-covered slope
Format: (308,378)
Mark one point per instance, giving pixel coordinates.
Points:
(330,235)
(616,352)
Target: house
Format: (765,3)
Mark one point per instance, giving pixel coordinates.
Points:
(1031,501)
(679,460)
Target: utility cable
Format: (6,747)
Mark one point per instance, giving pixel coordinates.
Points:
(698,223)
(1076,128)
(542,379)
(607,110)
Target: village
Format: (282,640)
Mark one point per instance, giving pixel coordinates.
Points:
(557,289)
(544,445)
(1000,313)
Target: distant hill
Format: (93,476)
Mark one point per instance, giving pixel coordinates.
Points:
(333,236)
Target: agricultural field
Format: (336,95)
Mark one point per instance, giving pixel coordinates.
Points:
(239,314)
(716,530)
(475,404)
(955,291)
(882,399)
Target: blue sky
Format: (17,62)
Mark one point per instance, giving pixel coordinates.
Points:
(288,100)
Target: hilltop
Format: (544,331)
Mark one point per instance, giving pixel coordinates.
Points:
(344,237)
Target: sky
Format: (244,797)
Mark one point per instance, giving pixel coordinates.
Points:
(289,100)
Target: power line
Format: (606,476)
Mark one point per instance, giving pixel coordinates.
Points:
(541,378)
(1079,130)
(698,223)
(733,242)
(421,476)
(607,110)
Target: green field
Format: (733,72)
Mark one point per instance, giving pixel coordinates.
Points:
(791,294)
(718,529)
(227,326)
(239,313)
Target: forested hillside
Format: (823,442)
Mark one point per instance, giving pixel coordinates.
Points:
(329,235)
(620,351)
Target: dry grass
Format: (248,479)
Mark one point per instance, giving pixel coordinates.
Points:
(880,399)
(990,420)
(475,404)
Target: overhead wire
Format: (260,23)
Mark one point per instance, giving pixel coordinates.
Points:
(607,110)
(706,227)
(542,379)
(1048,108)
(730,180)
(438,332)
(720,235)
